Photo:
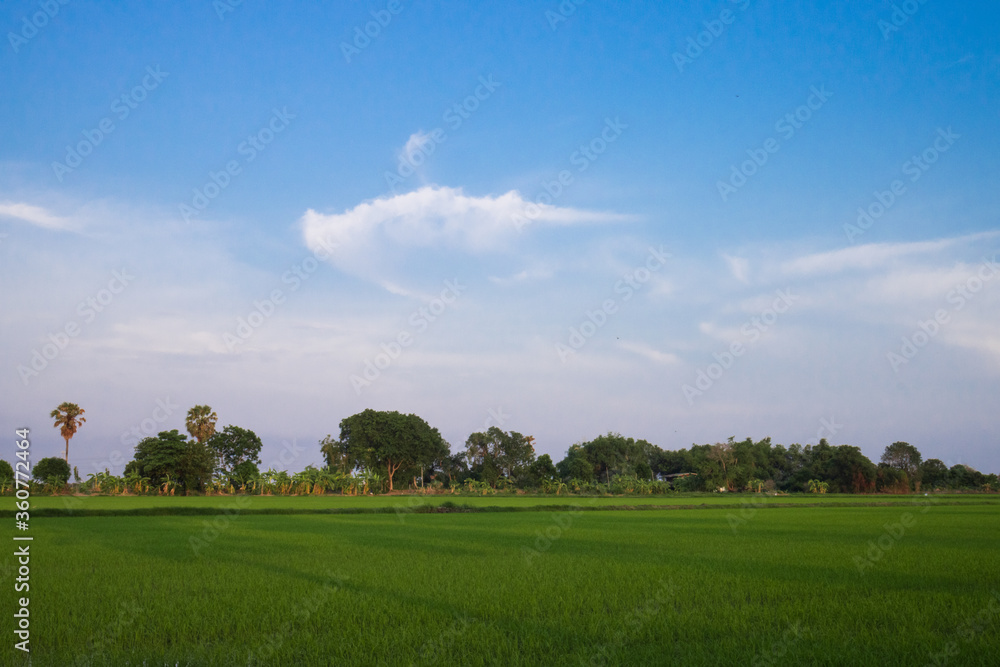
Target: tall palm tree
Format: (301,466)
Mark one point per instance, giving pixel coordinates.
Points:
(201,422)
(68,418)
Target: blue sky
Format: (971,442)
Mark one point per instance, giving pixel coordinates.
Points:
(682,223)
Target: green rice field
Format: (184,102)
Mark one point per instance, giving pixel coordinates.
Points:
(716,580)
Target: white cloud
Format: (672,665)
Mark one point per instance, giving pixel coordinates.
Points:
(738,267)
(649,353)
(375,237)
(873,255)
(526,275)
(34,215)
(414,144)
(870,256)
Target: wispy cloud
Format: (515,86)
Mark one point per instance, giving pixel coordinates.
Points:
(35,215)
(648,352)
(739,267)
(872,255)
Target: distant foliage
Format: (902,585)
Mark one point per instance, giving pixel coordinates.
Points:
(52,471)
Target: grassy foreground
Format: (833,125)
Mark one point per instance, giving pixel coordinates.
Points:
(810,585)
(120,504)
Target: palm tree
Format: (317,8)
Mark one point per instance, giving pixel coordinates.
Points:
(68,420)
(201,422)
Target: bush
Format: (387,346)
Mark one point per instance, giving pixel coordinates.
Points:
(52,470)
(243,473)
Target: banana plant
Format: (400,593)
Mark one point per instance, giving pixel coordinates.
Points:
(168,486)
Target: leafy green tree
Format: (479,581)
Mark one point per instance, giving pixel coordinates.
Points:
(607,452)
(455,467)
(498,454)
(171,457)
(892,480)
(576,465)
(541,473)
(6,477)
(243,472)
(903,457)
(234,445)
(617,455)
(961,476)
(51,470)
(721,453)
(388,441)
(543,468)
(200,422)
(69,417)
(934,473)
(673,462)
(849,470)
(336,454)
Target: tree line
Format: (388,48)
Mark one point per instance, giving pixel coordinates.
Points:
(383,451)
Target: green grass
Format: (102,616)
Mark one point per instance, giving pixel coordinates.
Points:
(709,586)
(76,504)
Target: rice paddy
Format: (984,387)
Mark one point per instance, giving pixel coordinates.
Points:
(911,581)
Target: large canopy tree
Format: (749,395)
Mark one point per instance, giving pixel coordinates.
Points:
(497,454)
(576,465)
(235,445)
(617,455)
(69,417)
(850,471)
(387,441)
(904,457)
(171,456)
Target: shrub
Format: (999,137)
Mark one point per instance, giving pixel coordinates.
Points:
(52,470)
